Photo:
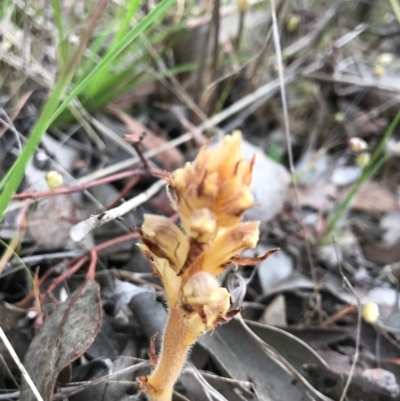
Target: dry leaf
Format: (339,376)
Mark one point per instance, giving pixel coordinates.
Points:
(63,338)
(374,197)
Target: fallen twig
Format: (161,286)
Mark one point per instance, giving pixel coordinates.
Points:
(82,187)
(20,365)
(79,231)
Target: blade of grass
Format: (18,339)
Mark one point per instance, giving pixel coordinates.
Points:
(62,44)
(4,8)
(19,166)
(51,111)
(123,29)
(156,13)
(376,163)
(396,8)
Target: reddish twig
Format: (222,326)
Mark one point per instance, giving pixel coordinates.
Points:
(57,281)
(76,265)
(132,182)
(116,241)
(83,187)
(136,140)
(92,267)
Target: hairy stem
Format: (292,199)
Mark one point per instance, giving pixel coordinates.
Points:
(172,356)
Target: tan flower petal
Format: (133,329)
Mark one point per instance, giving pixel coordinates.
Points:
(218,180)
(231,242)
(161,266)
(203,225)
(164,239)
(208,300)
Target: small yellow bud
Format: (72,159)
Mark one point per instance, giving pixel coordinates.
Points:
(385,59)
(243,5)
(379,70)
(292,23)
(54,179)
(339,117)
(363,159)
(370,312)
(357,144)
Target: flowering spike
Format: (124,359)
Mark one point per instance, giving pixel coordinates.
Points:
(210,195)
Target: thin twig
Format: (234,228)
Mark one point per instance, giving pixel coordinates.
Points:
(359,321)
(8,396)
(82,187)
(79,231)
(176,87)
(93,262)
(282,362)
(132,182)
(64,276)
(68,392)
(289,144)
(259,94)
(136,141)
(21,367)
(215,23)
(78,263)
(17,237)
(238,38)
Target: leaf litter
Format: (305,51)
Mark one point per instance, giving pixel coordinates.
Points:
(296,339)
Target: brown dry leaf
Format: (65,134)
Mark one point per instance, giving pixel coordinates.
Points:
(367,384)
(361,122)
(374,197)
(379,253)
(63,338)
(171,159)
(318,197)
(52,219)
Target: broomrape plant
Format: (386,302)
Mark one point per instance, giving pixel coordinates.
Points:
(211,194)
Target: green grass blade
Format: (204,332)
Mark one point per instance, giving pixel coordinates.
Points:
(156,13)
(376,163)
(396,8)
(51,111)
(62,44)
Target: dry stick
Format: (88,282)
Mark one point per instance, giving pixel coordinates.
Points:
(236,43)
(208,98)
(364,82)
(17,237)
(69,392)
(177,87)
(79,231)
(198,138)
(78,263)
(64,276)
(80,188)
(20,365)
(202,66)
(289,146)
(359,320)
(8,396)
(282,362)
(132,183)
(246,101)
(136,142)
(215,23)
(92,268)
(338,315)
